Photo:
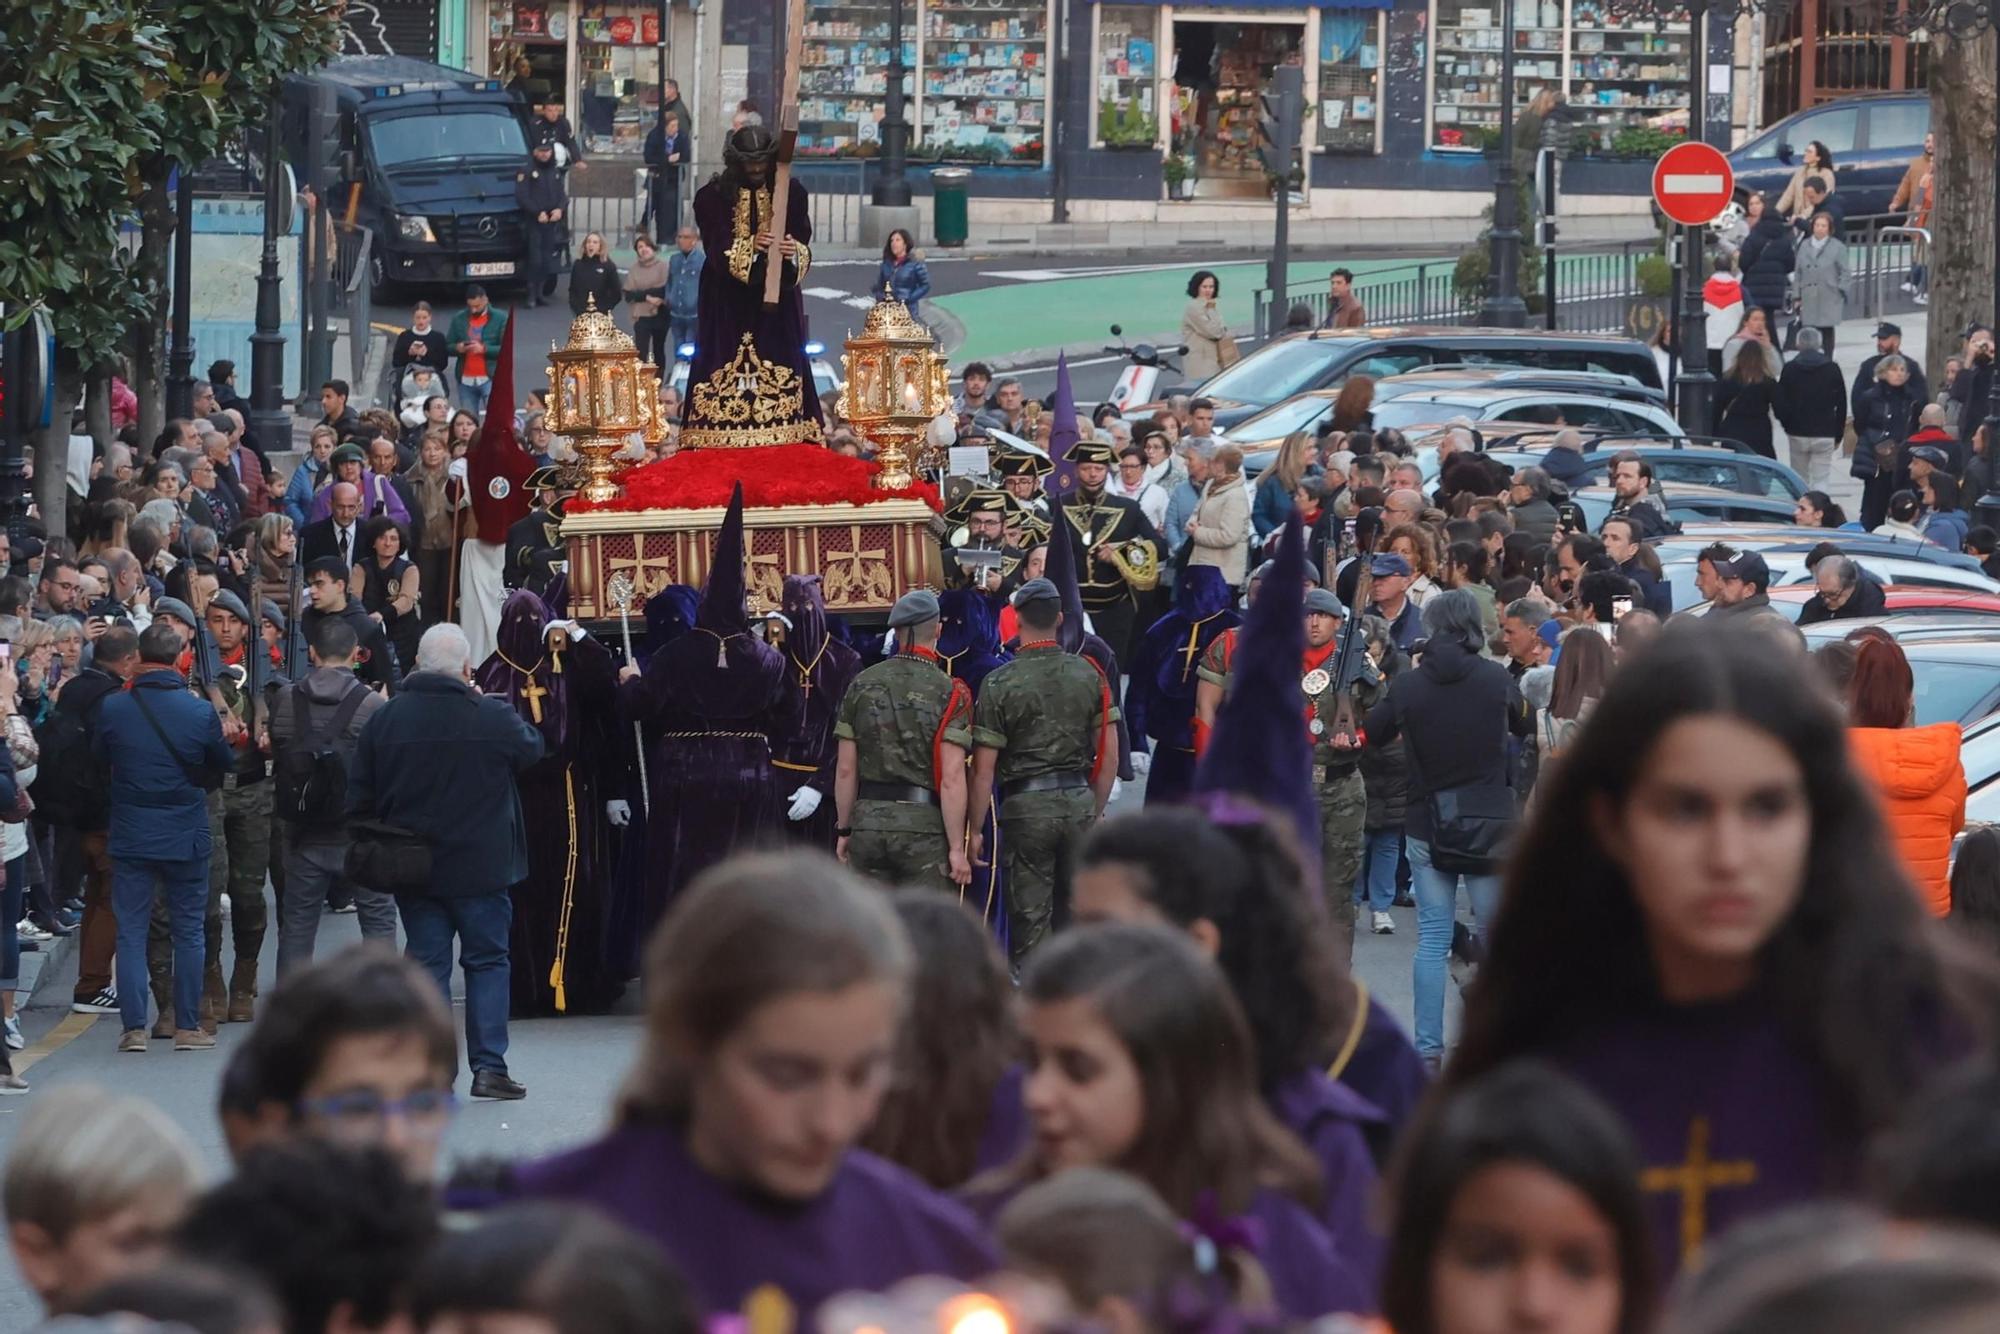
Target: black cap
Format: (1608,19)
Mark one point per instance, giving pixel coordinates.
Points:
(1888,330)
(1932,455)
(1749,567)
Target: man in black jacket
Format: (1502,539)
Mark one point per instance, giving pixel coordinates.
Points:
(538,192)
(1846,591)
(1622,544)
(1888,343)
(441,760)
(326,586)
(1812,407)
(344,420)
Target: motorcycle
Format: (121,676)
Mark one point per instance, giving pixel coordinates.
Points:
(1139,381)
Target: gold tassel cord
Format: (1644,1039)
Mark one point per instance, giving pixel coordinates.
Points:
(556,979)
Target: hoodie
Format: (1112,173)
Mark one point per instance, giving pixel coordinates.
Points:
(1722,299)
(1919,778)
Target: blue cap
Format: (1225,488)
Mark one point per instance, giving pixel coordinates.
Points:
(1389,563)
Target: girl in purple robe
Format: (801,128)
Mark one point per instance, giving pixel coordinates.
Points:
(773,993)
(1517,1208)
(1233,883)
(1705,922)
(954,1109)
(1140,1059)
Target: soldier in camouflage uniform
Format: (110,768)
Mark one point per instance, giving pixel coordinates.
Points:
(239,816)
(904,729)
(1336,754)
(1044,736)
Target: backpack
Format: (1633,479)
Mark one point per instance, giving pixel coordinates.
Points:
(70,781)
(311,773)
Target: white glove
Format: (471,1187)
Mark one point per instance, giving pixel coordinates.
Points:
(570,628)
(1117,790)
(943,431)
(619,813)
(1142,764)
(804,802)
(457,469)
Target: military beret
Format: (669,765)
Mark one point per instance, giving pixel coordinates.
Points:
(232,604)
(917,607)
(1258,574)
(274,615)
(1320,602)
(1036,590)
(175,608)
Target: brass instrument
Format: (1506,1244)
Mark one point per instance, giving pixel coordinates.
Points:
(1136,564)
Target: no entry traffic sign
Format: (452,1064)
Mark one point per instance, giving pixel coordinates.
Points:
(1692,183)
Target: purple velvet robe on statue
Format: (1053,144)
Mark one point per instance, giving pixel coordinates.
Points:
(820,668)
(873,1227)
(564,908)
(714,790)
(1159,691)
(1732,1118)
(732,308)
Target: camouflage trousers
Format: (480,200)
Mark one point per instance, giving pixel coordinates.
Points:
(239,822)
(1039,832)
(1343,811)
(898,859)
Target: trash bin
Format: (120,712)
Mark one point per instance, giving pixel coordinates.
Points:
(948,196)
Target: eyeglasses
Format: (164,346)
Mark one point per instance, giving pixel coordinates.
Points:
(424,1112)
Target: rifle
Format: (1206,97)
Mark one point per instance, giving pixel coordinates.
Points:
(788,137)
(1346,718)
(295,634)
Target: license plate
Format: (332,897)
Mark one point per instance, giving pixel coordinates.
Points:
(498,269)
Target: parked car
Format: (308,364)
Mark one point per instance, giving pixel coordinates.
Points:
(1324,358)
(1872,139)
(1686,503)
(1459,375)
(1980,754)
(1902,563)
(1537,405)
(1688,465)
(1957,607)
(1957,668)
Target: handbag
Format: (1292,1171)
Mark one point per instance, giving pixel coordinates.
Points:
(387,858)
(1226,352)
(207,777)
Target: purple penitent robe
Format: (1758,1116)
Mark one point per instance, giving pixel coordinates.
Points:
(1332,1120)
(820,668)
(874,1226)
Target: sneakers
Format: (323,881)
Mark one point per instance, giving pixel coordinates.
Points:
(193,1039)
(493,1086)
(27,930)
(1385,925)
(104,1002)
(132,1039)
(12,1025)
(12,1084)
(1909,286)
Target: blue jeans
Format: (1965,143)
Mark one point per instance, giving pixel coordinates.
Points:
(13,903)
(185,883)
(473,395)
(1375,880)
(480,922)
(679,331)
(1437,910)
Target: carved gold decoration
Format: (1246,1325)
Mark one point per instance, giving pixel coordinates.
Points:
(742,252)
(896,385)
(648,574)
(597,396)
(750,391)
(857,576)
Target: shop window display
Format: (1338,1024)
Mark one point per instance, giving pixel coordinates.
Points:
(985,81)
(845,79)
(618,92)
(1127,75)
(1348,108)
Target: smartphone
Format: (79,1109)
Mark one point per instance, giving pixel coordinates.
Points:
(1619,608)
(6,653)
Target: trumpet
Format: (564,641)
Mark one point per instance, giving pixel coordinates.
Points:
(1137,564)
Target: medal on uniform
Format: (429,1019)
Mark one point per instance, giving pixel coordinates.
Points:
(1316,727)
(1316,681)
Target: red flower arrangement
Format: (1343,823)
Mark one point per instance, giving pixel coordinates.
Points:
(773,476)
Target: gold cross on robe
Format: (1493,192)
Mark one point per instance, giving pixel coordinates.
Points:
(1693,1180)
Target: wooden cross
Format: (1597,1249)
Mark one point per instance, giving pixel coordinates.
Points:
(533,694)
(788,138)
(1693,1180)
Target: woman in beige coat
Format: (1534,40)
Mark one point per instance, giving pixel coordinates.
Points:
(1203,330)
(1815,161)
(1220,528)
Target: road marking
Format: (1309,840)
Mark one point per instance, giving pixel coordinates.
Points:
(69,1030)
(844,298)
(1691,183)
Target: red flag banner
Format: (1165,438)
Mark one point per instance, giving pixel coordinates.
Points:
(497,467)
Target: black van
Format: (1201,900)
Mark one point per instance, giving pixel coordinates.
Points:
(427,155)
(1298,362)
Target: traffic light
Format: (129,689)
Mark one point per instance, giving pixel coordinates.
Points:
(1280,110)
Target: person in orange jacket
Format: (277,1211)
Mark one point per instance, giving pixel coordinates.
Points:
(1916,772)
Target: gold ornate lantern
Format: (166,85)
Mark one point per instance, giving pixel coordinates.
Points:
(597,396)
(655,429)
(896,384)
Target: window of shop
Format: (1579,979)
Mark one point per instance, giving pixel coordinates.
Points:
(985,81)
(618,91)
(1348,108)
(529,47)
(1219,70)
(1128,69)
(1618,74)
(845,80)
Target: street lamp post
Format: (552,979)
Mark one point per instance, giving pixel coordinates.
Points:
(1503,307)
(268,421)
(892,187)
(180,353)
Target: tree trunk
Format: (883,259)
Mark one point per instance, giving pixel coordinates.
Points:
(149,337)
(97,408)
(50,484)
(1962,221)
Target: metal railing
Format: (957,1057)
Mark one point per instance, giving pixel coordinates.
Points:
(834,196)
